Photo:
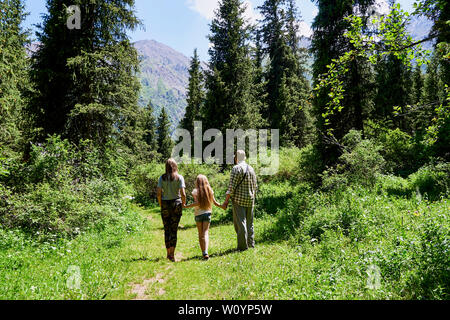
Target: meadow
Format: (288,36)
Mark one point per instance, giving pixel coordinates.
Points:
(387,240)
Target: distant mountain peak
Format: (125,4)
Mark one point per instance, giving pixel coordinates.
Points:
(164,77)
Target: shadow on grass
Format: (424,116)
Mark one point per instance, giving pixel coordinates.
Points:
(223,218)
(212,256)
(142,259)
(181,227)
(271,205)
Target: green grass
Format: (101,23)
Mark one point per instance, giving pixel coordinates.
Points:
(321,248)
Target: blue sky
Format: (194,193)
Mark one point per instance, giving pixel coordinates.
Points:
(184,24)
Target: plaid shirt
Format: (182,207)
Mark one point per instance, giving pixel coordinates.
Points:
(243,194)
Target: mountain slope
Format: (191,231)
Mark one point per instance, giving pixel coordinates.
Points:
(164,78)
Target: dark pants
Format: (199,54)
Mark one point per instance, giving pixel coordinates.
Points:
(171,213)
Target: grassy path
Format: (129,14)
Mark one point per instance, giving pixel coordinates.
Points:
(118,264)
(255,274)
(129,262)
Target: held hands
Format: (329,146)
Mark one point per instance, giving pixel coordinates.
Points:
(224,206)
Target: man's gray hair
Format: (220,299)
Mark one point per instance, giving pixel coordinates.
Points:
(240,156)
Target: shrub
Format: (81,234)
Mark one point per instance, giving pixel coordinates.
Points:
(144,179)
(394,186)
(360,163)
(310,165)
(49,160)
(432,180)
(433,276)
(341,214)
(399,151)
(291,213)
(63,210)
(297,165)
(62,189)
(274,197)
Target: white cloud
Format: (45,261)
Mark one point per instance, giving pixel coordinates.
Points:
(314,12)
(381,7)
(251,14)
(206,9)
(304,29)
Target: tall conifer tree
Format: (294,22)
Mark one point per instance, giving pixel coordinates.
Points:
(286,86)
(329,43)
(165,142)
(85,78)
(230,99)
(13,74)
(394,89)
(195,95)
(149,127)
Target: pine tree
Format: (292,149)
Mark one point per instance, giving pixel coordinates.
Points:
(433,84)
(418,83)
(149,127)
(195,95)
(230,99)
(13,75)
(439,12)
(86,78)
(286,86)
(393,84)
(165,143)
(329,43)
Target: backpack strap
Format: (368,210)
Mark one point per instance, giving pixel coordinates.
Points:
(243,178)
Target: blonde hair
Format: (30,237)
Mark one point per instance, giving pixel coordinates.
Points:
(205,195)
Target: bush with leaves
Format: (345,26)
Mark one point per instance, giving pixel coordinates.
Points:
(361,162)
(63,188)
(400,152)
(432,180)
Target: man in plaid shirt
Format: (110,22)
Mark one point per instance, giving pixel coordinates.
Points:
(242,191)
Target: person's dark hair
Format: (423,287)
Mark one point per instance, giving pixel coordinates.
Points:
(171,170)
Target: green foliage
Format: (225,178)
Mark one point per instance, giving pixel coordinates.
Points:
(195,95)
(298,165)
(360,163)
(108,109)
(148,125)
(13,76)
(342,77)
(3,170)
(164,141)
(399,151)
(144,179)
(63,189)
(432,181)
(438,135)
(64,210)
(86,85)
(287,89)
(230,99)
